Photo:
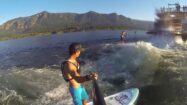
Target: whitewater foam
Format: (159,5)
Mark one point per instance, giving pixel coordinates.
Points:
(119,65)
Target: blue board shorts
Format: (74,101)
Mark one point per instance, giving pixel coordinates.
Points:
(78,94)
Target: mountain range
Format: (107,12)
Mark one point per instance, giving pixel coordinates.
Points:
(46,22)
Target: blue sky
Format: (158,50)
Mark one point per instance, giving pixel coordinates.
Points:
(136,9)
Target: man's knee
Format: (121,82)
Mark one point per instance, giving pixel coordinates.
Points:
(84,102)
(78,102)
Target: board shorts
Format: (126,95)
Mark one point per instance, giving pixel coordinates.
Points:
(78,94)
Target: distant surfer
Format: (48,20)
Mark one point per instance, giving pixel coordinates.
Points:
(122,36)
(71,73)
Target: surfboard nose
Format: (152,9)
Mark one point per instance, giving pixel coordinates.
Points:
(135,90)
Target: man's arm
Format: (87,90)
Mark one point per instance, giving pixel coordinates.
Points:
(72,70)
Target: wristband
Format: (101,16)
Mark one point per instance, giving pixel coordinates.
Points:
(87,77)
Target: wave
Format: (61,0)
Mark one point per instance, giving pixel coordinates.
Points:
(28,85)
(132,64)
(119,65)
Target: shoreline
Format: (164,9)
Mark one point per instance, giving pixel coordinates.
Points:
(19,36)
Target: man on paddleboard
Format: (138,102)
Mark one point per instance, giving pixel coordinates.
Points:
(71,73)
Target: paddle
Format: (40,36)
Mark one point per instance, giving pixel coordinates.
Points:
(98,98)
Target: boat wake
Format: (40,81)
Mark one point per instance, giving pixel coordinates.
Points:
(152,64)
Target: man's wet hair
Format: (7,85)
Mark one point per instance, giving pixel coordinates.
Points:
(74,47)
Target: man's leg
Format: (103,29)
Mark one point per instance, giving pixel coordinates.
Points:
(84,96)
(84,102)
(76,95)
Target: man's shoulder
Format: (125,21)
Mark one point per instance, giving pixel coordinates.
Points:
(70,65)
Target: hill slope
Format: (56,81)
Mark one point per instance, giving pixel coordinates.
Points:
(53,22)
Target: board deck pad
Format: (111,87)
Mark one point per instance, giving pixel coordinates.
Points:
(126,97)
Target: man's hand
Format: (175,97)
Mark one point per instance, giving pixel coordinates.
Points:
(93,76)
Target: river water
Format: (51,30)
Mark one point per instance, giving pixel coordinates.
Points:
(30,67)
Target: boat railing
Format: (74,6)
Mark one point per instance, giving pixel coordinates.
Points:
(169,10)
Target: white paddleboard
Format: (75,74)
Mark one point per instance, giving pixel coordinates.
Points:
(126,97)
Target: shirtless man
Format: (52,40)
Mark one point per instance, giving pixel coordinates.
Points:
(122,36)
(71,73)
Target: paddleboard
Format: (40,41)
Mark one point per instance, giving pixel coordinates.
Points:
(126,97)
